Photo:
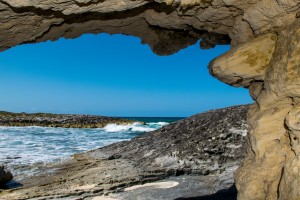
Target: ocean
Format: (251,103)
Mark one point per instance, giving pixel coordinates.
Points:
(24,146)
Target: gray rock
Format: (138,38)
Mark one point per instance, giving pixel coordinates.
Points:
(206,143)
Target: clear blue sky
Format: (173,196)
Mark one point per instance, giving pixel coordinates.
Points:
(111,75)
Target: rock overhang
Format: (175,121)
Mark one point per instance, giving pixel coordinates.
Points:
(166,25)
(166,28)
(264,36)
(246,63)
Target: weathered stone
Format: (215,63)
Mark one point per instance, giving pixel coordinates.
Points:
(241,33)
(271,167)
(266,15)
(245,63)
(170,25)
(255,89)
(207,142)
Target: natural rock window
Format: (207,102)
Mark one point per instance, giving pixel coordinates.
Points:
(271,169)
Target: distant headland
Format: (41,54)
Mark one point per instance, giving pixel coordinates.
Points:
(58,120)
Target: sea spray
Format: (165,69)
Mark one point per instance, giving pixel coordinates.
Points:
(21,146)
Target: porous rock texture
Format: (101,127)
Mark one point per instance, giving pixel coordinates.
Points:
(206,143)
(271,168)
(264,36)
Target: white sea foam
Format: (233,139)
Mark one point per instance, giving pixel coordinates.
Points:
(30,145)
(135,127)
(242,132)
(158,123)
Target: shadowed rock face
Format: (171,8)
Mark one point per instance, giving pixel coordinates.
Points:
(5,176)
(265,38)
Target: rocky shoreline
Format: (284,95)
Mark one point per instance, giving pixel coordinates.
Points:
(58,120)
(204,149)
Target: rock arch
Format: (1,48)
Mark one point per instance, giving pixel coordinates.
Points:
(264,35)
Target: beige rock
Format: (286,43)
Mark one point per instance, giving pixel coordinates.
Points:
(290,183)
(169,28)
(255,89)
(246,63)
(271,170)
(268,14)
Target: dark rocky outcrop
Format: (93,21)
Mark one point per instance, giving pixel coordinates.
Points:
(209,145)
(58,120)
(202,144)
(5,176)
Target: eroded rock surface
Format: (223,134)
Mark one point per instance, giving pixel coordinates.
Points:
(204,144)
(245,64)
(271,167)
(269,67)
(166,25)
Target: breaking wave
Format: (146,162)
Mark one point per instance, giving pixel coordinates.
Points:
(135,127)
(31,145)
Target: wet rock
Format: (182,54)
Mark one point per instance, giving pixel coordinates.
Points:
(5,175)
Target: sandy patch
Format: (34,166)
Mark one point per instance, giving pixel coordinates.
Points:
(103,198)
(84,187)
(159,185)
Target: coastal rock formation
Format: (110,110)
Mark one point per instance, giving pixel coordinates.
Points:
(5,175)
(207,143)
(254,56)
(58,120)
(209,146)
(264,36)
(271,167)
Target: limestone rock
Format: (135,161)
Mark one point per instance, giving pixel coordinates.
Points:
(246,63)
(268,15)
(274,132)
(255,89)
(169,25)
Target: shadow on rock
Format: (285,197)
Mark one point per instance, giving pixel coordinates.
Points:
(10,185)
(5,175)
(226,194)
